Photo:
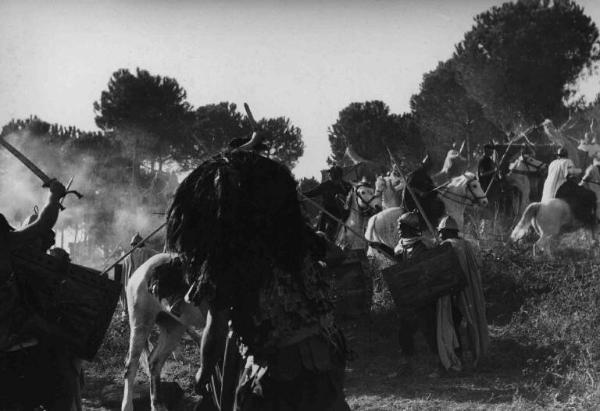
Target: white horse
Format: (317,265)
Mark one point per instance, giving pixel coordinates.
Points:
(524,173)
(362,203)
(145,310)
(457,194)
(547,219)
(389,188)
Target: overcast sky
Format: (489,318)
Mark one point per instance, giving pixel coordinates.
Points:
(305,60)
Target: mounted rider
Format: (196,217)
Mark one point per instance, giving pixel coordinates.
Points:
(454,163)
(486,168)
(559,171)
(422,185)
(334,193)
(561,184)
(35,369)
(591,180)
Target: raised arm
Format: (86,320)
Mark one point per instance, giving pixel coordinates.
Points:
(46,220)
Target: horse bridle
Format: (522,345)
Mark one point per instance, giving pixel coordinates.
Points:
(368,203)
(472,200)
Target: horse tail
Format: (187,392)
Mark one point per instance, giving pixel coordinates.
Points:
(526,220)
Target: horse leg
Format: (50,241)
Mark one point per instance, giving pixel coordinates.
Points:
(171,331)
(137,344)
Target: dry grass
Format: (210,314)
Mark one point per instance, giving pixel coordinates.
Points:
(545,347)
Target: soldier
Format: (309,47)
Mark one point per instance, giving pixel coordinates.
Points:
(486,167)
(411,247)
(454,162)
(35,369)
(333,192)
(422,185)
(467,306)
(558,172)
(135,259)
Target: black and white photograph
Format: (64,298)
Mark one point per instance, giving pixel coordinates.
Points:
(285,205)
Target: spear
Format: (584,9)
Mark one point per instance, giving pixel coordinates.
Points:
(139,244)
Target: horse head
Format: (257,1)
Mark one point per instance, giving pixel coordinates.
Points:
(467,190)
(366,198)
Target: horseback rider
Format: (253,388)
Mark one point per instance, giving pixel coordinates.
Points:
(454,161)
(559,171)
(334,193)
(35,369)
(467,305)
(410,247)
(591,180)
(423,187)
(486,167)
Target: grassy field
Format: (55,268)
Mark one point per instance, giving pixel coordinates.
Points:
(543,319)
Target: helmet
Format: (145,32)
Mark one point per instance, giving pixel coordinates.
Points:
(447,223)
(562,152)
(410,219)
(135,239)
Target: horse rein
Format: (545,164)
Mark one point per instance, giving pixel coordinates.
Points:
(536,168)
(369,207)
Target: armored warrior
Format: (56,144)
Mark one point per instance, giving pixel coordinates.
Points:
(466,306)
(35,369)
(411,247)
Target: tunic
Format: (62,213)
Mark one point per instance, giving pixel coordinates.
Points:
(558,171)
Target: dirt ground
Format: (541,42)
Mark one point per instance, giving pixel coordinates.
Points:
(372,380)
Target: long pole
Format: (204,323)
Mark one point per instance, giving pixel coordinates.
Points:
(499,163)
(412,193)
(353,231)
(138,245)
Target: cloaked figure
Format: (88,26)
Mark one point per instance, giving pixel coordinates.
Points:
(466,307)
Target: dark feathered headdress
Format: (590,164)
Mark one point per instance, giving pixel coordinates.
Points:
(233,219)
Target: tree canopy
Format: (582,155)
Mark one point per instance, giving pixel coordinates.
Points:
(519,59)
(149,113)
(445,113)
(368,128)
